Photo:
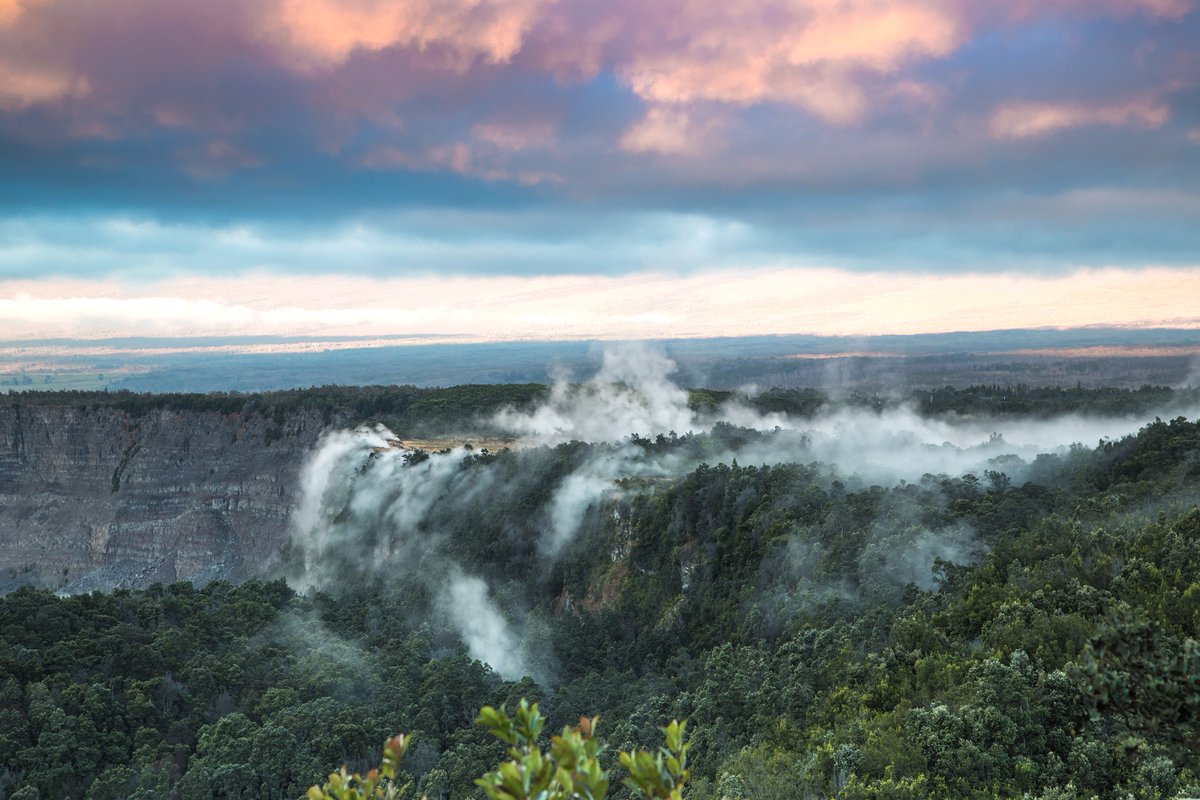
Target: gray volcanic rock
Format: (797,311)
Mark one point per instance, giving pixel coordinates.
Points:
(95,499)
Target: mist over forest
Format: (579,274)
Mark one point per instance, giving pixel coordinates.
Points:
(978,592)
(586,450)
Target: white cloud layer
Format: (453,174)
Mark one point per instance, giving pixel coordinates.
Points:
(636,306)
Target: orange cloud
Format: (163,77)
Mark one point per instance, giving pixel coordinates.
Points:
(810,53)
(693,65)
(877,38)
(669,131)
(26,81)
(11,10)
(327,32)
(23,86)
(1027,120)
(1160,8)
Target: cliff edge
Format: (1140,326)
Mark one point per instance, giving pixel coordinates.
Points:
(96,498)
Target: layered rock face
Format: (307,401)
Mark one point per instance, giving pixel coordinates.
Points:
(99,498)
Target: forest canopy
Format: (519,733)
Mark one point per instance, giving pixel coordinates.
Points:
(986,635)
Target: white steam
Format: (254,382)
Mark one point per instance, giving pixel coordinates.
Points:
(483,628)
(366,507)
(903,555)
(632,393)
(371,506)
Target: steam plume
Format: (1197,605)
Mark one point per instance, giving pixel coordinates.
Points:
(370,506)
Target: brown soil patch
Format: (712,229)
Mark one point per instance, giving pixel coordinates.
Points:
(492,445)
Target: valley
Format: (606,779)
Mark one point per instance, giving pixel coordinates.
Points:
(857,596)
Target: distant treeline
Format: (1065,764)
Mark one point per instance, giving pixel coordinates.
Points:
(401,407)
(410,409)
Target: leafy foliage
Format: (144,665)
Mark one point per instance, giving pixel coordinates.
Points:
(570,769)
(377,784)
(662,774)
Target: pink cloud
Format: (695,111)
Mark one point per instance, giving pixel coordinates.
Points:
(813,54)
(1161,8)
(328,32)
(1027,120)
(832,58)
(671,131)
(819,55)
(22,86)
(11,10)
(460,84)
(30,72)
(877,38)
(105,64)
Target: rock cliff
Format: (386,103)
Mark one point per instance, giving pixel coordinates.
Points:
(100,498)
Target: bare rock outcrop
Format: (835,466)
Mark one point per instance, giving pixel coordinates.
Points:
(99,498)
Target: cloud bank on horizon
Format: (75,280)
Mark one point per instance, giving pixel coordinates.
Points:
(639,306)
(142,141)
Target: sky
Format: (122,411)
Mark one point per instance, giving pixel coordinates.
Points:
(596,168)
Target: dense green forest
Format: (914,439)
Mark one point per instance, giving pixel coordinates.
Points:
(409,410)
(973,636)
